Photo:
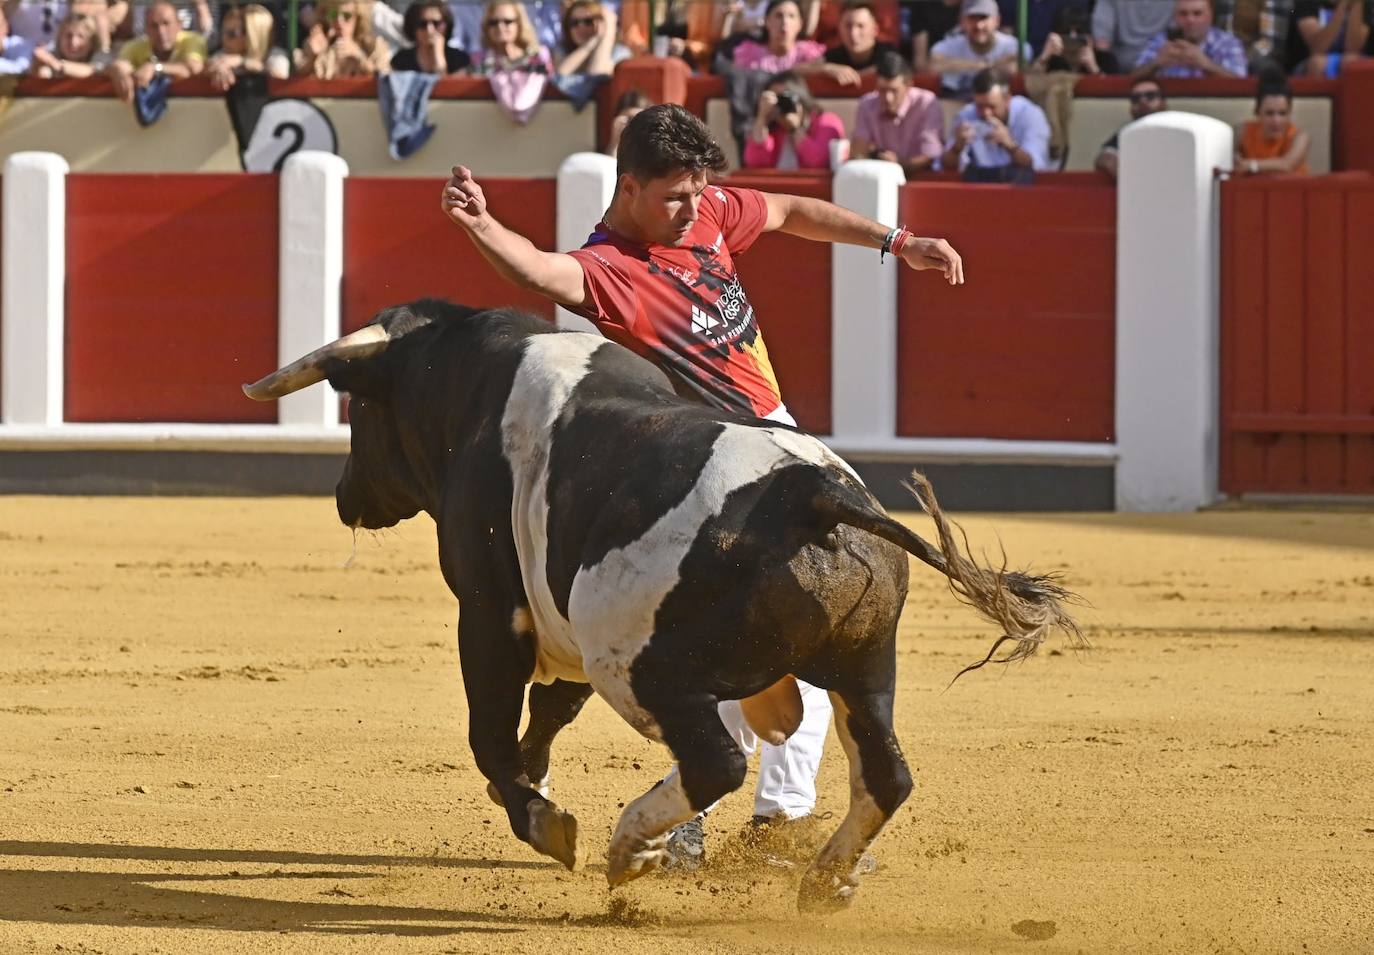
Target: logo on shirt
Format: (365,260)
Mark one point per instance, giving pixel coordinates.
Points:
(703,320)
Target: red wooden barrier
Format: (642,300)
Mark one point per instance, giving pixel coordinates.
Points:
(171,296)
(1297,341)
(1025,349)
(788,282)
(398,246)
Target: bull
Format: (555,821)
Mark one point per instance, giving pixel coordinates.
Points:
(602,533)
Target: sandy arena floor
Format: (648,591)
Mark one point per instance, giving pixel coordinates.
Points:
(218,739)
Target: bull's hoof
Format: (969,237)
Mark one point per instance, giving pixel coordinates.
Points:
(629,862)
(541,787)
(825,891)
(553,833)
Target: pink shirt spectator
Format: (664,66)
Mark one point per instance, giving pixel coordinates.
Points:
(750,55)
(781,151)
(916,130)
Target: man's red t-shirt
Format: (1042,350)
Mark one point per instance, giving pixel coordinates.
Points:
(683,307)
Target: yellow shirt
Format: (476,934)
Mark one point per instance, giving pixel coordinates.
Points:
(189,46)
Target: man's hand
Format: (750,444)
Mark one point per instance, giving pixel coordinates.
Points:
(463,201)
(222,76)
(999,134)
(922,254)
(122,76)
(144,75)
(964,134)
(844,75)
(886,155)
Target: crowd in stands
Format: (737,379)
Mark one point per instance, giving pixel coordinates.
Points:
(766,49)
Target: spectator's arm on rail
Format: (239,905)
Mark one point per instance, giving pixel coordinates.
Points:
(517,259)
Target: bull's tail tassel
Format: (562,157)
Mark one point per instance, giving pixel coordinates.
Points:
(1025,606)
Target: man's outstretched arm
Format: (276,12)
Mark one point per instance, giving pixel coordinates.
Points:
(553,275)
(826,222)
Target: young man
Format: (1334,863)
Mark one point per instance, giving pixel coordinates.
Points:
(998,137)
(898,122)
(658,276)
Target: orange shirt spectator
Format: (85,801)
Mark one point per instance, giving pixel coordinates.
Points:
(1271,144)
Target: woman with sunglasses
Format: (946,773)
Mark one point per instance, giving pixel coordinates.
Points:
(509,42)
(246,47)
(589,46)
(429,26)
(341,43)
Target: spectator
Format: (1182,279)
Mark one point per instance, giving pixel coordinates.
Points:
(1327,34)
(790,131)
(196,16)
(998,137)
(16,53)
(630,105)
(509,42)
(1050,81)
(750,17)
(1261,26)
(1191,46)
(341,43)
(1146,98)
(859,49)
(166,50)
(75,52)
(979,44)
(589,46)
(428,27)
(246,33)
(898,122)
(930,21)
(1042,17)
(887,16)
(1270,144)
(783,48)
(1124,27)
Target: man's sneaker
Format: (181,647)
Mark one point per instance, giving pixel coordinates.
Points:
(686,846)
(784,843)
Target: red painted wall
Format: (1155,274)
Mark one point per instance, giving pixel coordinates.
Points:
(1024,349)
(1297,340)
(788,282)
(398,246)
(171,296)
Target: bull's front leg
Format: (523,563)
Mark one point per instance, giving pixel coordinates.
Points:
(494,675)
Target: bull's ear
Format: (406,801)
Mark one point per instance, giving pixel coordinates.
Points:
(365,377)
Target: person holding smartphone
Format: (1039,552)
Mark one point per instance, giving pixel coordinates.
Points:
(998,137)
(1191,46)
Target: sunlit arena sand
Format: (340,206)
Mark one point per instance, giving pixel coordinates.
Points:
(218,738)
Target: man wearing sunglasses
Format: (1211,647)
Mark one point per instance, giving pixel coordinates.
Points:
(658,276)
(1146,98)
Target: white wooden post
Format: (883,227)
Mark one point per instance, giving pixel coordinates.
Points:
(586,182)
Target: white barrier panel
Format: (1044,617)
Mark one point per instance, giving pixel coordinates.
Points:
(33,314)
(310,273)
(1167,302)
(863,310)
(586,182)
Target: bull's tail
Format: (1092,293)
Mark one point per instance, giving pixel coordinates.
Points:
(1025,606)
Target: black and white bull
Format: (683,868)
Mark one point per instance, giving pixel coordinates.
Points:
(602,533)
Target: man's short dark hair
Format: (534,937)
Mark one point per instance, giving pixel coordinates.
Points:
(859,5)
(987,79)
(666,139)
(891,65)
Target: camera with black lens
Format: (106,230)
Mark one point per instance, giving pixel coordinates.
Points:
(787,103)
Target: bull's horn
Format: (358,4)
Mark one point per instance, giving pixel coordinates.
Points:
(368,340)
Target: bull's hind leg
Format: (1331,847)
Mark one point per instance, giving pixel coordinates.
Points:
(879,782)
(710,765)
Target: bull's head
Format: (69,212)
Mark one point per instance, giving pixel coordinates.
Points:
(380,485)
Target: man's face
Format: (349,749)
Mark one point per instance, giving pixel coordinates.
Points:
(980,30)
(665,209)
(992,103)
(891,93)
(162,29)
(858,30)
(1194,18)
(1147,98)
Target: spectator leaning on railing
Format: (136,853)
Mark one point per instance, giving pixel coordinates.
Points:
(1327,34)
(167,50)
(589,46)
(341,44)
(509,42)
(979,44)
(898,122)
(859,48)
(930,21)
(1124,27)
(75,52)
(16,53)
(246,47)
(998,137)
(783,49)
(428,26)
(1191,46)
(1146,97)
(790,131)
(1270,144)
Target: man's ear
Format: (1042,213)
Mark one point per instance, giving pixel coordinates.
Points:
(628,186)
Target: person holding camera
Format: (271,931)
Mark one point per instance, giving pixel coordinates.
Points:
(1192,46)
(1068,54)
(898,122)
(790,130)
(998,137)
